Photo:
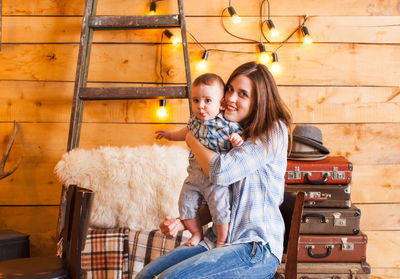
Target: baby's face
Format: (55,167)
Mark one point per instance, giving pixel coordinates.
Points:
(206,100)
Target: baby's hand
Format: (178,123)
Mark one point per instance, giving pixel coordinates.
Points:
(163,134)
(235,139)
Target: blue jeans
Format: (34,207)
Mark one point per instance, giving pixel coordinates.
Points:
(246,260)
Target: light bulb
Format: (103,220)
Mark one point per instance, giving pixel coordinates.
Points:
(175,40)
(306,35)
(272,30)
(235,17)
(275,67)
(162,111)
(152,8)
(264,58)
(202,65)
(307,40)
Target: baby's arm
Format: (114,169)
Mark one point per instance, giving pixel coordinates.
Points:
(172,135)
(235,139)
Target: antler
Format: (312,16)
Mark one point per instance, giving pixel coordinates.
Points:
(5,156)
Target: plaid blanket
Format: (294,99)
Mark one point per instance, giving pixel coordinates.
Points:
(121,253)
(106,254)
(146,246)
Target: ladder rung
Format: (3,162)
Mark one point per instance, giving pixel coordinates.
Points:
(124,93)
(133,22)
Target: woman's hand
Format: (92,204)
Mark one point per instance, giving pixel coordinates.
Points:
(171,226)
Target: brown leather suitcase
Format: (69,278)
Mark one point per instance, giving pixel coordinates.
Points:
(331,170)
(331,220)
(323,195)
(332,248)
(328,270)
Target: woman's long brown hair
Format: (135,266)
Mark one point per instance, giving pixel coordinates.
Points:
(267,108)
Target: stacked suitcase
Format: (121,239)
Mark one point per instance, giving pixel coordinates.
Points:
(331,244)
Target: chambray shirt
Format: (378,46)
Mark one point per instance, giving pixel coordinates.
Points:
(214,133)
(257,177)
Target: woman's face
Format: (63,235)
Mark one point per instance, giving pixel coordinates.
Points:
(238,98)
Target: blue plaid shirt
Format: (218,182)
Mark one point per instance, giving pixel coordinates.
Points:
(214,133)
(256,174)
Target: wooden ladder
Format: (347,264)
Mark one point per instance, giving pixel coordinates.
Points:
(82,93)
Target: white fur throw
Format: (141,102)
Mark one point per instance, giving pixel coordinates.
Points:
(135,187)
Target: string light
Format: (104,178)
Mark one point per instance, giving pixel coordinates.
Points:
(202,65)
(153,7)
(162,111)
(272,30)
(275,67)
(306,35)
(174,39)
(235,17)
(264,56)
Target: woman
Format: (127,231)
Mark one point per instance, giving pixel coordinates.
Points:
(255,171)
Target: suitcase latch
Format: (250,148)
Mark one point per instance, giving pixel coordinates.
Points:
(347,246)
(337,221)
(338,175)
(295,174)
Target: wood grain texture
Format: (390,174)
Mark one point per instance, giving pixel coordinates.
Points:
(31,101)
(357,142)
(371,217)
(345,29)
(382,249)
(285,7)
(385,273)
(375,184)
(38,221)
(347,83)
(299,65)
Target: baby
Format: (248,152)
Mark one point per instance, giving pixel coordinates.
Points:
(218,134)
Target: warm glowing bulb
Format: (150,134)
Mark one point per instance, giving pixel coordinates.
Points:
(153,7)
(307,40)
(176,40)
(265,58)
(274,32)
(275,68)
(236,18)
(202,65)
(162,112)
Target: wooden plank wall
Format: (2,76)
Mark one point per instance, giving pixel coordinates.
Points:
(347,83)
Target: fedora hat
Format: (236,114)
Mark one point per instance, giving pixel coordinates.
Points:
(307,144)
(303,152)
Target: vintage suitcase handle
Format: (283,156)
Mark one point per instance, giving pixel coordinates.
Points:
(316,182)
(332,277)
(315,198)
(319,256)
(305,217)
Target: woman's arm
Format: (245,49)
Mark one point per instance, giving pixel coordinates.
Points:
(202,154)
